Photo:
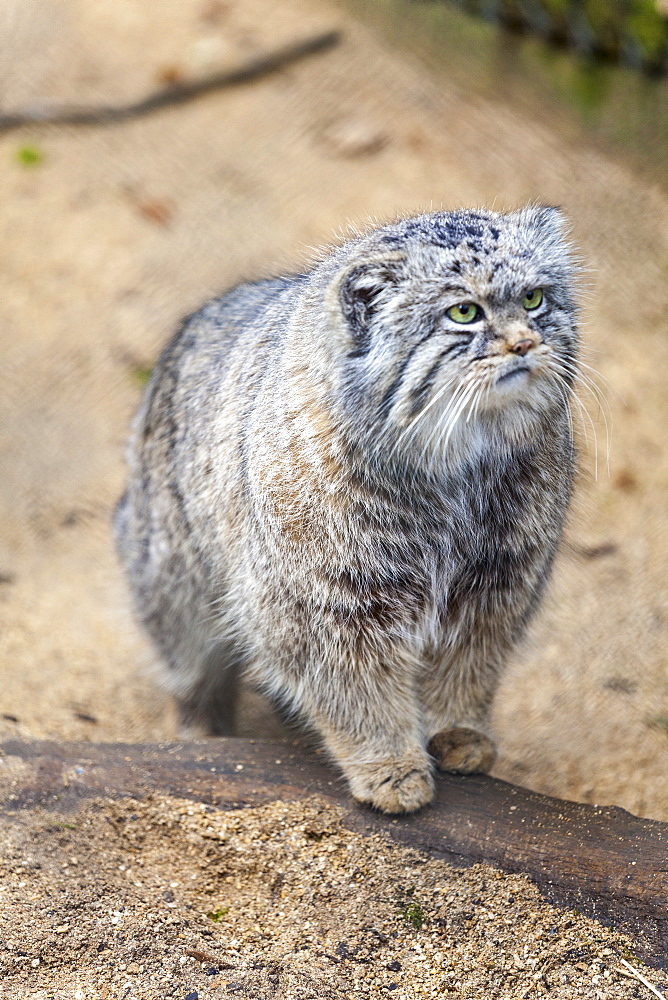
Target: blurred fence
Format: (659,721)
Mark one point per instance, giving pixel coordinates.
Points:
(627,31)
(588,67)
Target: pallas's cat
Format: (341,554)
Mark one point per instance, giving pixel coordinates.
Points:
(349,485)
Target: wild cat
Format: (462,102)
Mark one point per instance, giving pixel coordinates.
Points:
(349,485)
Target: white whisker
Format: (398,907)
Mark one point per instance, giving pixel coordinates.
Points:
(473,408)
(584,412)
(422,414)
(596,394)
(569,415)
(457,413)
(452,402)
(425,410)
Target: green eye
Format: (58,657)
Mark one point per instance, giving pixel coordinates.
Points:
(533,298)
(464,312)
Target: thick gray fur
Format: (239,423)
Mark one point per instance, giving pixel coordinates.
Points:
(340,492)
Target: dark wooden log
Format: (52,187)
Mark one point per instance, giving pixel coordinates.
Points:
(602,861)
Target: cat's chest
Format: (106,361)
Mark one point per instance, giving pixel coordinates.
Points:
(497,505)
(492,539)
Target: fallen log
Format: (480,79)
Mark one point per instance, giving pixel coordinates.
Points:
(602,861)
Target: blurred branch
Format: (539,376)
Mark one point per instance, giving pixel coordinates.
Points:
(176,93)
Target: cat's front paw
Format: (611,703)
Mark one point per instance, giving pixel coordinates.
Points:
(393,786)
(462,750)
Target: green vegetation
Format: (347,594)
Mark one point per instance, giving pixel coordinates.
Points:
(584,78)
(29,156)
(410,910)
(627,31)
(217,915)
(141,375)
(414,914)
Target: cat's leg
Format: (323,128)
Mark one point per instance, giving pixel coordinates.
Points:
(364,707)
(390,771)
(200,665)
(456,696)
(208,707)
(462,749)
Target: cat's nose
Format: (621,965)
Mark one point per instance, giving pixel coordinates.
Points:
(522,347)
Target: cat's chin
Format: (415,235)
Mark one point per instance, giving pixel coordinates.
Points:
(518,376)
(516,384)
(516,393)
(510,415)
(493,432)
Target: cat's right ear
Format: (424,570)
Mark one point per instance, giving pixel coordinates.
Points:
(359,292)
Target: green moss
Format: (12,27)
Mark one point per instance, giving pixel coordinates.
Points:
(141,375)
(217,915)
(629,957)
(410,910)
(29,156)
(414,914)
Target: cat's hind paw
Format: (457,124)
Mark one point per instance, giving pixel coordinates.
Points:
(462,750)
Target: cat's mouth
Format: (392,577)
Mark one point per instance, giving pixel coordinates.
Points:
(519,370)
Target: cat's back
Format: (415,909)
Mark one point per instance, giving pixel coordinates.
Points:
(209,340)
(195,399)
(212,362)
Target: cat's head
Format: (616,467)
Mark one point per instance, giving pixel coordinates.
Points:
(455,324)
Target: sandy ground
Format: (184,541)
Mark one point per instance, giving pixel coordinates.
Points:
(170,899)
(117,232)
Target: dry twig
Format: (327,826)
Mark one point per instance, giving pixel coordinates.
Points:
(634,974)
(176,93)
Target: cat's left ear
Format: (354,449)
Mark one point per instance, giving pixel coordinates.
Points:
(359,291)
(551,219)
(553,229)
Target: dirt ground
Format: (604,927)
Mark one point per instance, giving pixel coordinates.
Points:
(109,235)
(168,898)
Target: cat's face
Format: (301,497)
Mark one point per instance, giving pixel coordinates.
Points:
(461,323)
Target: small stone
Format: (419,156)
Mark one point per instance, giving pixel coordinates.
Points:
(206,55)
(354,137)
